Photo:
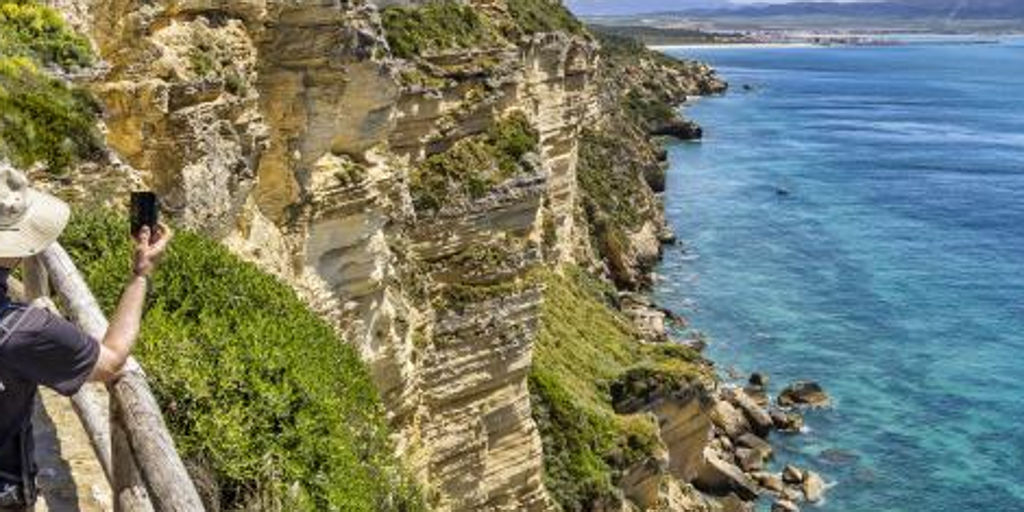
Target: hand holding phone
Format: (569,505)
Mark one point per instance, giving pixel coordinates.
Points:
(145,211)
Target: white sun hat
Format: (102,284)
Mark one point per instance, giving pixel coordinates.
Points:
(30,220)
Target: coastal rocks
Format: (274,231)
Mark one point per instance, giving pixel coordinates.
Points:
(729,419)
(785,506)
(792,474)
(682,129)
(757,388)
(803,393)
(742,424)
(719,477)
(759,419)
(786,421)
(649,319)
(769,482)
(813,487)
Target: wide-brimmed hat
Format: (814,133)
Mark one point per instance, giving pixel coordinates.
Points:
(30,220)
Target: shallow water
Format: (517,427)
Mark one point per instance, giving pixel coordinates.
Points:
(892,272)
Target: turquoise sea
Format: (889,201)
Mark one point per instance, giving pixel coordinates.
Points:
(892,272)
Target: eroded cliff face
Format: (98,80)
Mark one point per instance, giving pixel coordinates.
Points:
(290,131)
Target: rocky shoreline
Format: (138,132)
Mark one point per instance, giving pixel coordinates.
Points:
(735,470)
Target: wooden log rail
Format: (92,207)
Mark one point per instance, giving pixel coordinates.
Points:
(132,444)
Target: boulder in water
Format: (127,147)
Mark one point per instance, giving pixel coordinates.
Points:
(784,506)
(807,393)
(813,487)
(787,421)
(792,474)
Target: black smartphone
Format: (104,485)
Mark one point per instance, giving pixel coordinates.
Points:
(145,212)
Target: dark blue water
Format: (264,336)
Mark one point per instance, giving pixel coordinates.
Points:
(893,272)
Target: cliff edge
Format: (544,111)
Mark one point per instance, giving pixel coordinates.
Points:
(455,187)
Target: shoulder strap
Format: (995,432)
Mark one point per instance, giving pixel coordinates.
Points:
(12,316)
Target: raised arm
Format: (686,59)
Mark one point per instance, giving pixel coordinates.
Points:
(124,326)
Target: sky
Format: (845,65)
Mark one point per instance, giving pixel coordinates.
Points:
(624,6)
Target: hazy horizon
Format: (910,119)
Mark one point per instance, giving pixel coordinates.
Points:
(648,6)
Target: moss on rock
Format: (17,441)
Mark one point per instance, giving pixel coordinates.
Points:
(258,392)
(474,166)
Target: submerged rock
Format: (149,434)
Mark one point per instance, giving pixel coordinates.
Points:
(807,393)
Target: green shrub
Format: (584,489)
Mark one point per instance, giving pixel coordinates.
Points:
(584,350)
(648,112)
(537,16)
(436,26)
(42,118)
(31,30)
(472,167)
(257,390)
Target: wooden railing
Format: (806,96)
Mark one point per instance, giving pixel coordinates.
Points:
(132,442)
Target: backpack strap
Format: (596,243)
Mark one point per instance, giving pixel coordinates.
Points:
(11,318)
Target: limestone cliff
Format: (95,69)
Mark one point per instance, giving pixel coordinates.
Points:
(410,167)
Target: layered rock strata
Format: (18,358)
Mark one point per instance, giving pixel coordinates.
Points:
(293,132)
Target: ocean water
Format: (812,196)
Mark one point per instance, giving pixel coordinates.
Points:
(892,272)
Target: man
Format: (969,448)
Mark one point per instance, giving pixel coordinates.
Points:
(38,348)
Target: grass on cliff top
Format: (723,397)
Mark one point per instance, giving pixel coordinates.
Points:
(474,166)
(542,16)
(434,27)
(260,394)
(42,118)
(584,351)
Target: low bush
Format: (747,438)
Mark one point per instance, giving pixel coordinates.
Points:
(538,16)
(31,30)
(259,393)
(584,351)
(42,118)
(433,27)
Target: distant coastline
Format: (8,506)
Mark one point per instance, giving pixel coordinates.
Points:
(682,37)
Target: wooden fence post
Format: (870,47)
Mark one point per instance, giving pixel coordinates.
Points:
(150,448)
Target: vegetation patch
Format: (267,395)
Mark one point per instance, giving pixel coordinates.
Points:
(260,393)
(585,349)
(541,16)
(42,118)
(649,112)
(434,27)
(212,58)
(28,29)
(474,166)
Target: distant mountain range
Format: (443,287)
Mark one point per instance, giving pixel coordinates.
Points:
(952,9)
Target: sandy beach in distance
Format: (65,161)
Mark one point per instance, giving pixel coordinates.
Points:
(662,47)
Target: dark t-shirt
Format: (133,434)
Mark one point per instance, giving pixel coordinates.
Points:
(45,350)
